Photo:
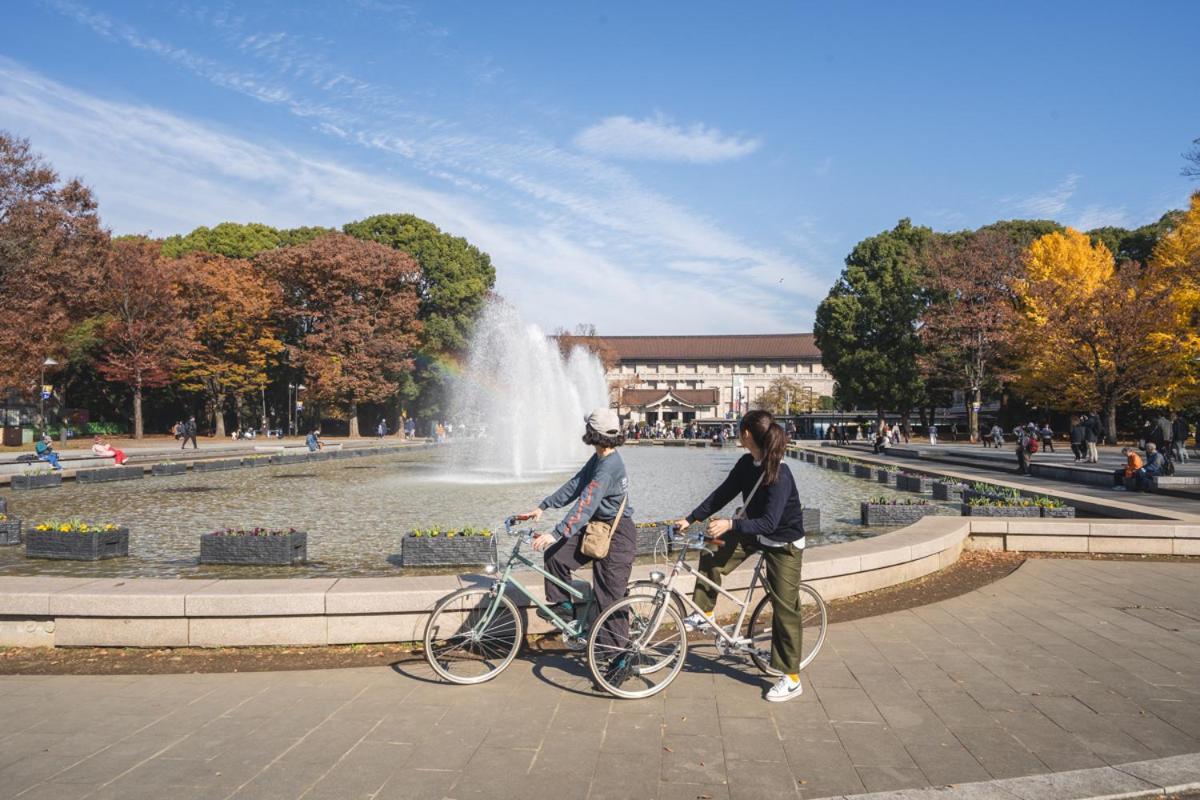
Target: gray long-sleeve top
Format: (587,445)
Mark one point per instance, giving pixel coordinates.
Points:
(596,490)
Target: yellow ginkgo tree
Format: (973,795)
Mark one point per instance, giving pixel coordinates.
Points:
(1176,262)
(1093,334)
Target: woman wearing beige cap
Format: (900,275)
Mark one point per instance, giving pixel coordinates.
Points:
(598,492)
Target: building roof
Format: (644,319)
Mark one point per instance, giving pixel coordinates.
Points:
(642,398)
(751,347)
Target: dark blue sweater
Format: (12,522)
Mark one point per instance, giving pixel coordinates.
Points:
(774,513)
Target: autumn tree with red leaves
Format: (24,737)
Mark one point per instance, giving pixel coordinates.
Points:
(352,307)
(145,330)
(968,330)
(231,308)
(52,247)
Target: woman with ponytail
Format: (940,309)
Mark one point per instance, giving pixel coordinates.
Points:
(771,522)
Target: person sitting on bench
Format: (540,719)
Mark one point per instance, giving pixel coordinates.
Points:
(45,452)
(102,448)
(1133,465)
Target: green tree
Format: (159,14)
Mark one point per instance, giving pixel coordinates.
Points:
(1023,232)
(1137,244)
(229,239)
(866,327)
(290,237)
(352,309)
(456,279)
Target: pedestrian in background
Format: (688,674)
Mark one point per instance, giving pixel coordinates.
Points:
(1078,438)
(1047,434)
(1179,436)
(189,434)
(1092,437)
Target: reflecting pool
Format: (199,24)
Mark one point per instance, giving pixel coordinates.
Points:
(355,511)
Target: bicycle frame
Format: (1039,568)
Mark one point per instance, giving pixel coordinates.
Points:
(506,579)
(668,586)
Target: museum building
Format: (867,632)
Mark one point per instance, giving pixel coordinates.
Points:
(685,378)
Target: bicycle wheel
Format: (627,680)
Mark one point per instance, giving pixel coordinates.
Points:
(813,620)
(637,658)
(463,645)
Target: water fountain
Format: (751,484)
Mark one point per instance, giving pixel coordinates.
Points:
(522,402)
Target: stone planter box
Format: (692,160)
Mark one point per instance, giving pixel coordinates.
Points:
(321,455)
(885,477)
(10,531)
(219,465)
(810,457)
(289,458)
(435,551)
(29,481)
(947,491)
(913,483)
(812,520)
(3,505)
(282,550)
(77,546)
(259,461)
(1000,511)
(105,474)
(675,442)
(161,470)
(969,494)
(1066,512)
(862,471)
(887,514)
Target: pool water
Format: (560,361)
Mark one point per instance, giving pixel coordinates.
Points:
(356,511)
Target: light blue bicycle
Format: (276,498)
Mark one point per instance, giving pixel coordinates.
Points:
(474,634)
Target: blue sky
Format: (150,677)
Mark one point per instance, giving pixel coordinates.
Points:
(646,167)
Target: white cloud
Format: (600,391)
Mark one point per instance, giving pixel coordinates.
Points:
(1047,204)
(156,172)
(583,196)
(1094,216)
(659,140)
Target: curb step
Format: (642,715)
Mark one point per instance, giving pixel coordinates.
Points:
(1160,777)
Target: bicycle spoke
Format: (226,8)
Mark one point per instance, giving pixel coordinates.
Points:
(479,641)
(637,647)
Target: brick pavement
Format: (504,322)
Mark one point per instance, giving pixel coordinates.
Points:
(1064,665)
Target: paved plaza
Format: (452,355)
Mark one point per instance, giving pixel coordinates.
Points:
(1064,665)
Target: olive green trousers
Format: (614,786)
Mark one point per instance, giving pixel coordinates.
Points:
(783,587)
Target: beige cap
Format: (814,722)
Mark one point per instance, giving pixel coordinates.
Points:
(604,421)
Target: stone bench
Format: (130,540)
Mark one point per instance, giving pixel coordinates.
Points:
(67,461)
(292,448)
(1090,476)
(1175,481)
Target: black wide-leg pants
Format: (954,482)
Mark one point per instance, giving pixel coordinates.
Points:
(610,575)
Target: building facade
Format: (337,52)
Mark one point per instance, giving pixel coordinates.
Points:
(685,378)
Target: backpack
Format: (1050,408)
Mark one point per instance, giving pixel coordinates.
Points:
(1032,445)
(1168,467)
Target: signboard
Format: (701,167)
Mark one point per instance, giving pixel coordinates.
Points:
(47,390)
(299,405)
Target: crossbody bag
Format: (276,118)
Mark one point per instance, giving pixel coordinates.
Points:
(597,536)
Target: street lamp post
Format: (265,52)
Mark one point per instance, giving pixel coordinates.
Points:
(49,362)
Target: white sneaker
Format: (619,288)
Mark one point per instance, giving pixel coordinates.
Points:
(696,622)
(784,689)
